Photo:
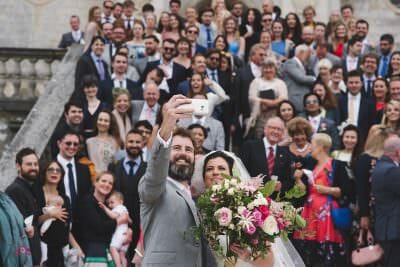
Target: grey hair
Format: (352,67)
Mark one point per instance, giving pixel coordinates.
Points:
(391,145)
(324,63)
(301,48)
(254,48)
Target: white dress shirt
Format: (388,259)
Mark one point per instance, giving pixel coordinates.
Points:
(267,145)
(256,70)
(152,112)
(64,163)
(315,121)
(351,63)
(119,83)
(77,35)
(356,107)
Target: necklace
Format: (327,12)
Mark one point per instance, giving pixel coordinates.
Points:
(301,150)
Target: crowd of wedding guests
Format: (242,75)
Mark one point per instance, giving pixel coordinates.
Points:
(302,102)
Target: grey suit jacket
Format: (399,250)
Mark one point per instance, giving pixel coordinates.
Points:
(297,82)
(137,107)
(314,61)
(215,133)
(167,216)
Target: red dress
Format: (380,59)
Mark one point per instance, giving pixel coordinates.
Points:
(320,234)
(339,50)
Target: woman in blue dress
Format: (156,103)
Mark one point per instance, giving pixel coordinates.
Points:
(280,44)
(236,42)
(136,45)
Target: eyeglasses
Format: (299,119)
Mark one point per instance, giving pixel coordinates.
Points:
(53,170)
(69,143)
(144,132)
(195,32)
(311,102)
(214,58)
(169,49)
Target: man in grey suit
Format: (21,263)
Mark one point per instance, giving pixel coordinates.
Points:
(75,36)
(215,131)
(321,52)
(151,44)
(167,211)
(118,38)
(295,77)
(148,108)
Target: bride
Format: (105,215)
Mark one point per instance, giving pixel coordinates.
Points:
(208,172)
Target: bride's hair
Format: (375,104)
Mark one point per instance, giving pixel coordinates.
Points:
(218,154)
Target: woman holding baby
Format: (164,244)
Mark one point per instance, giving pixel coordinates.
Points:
(54,220)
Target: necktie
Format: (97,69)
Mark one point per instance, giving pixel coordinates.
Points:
(369,88)
(100,68)
(384,66)
(209,39)
(128,24)
(271,160)
(214,75)
(351,114)
(72,189)
(131,168)
(121,85)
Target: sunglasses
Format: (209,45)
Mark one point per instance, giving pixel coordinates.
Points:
(69,143)
(53,170)
(144,132)
(195,32)
(311,102)
(169,49)
(108,7)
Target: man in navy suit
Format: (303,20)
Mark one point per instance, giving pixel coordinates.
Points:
(92,63)
(118,78)
(174,73)
(192,33)
(386,44)
(386,188)
(354,107)
(75,36)
(352,60)
(369,65)
(265,156)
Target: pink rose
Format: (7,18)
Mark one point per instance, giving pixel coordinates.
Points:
(224,216)
(258,218)
(254,242)
(250,229)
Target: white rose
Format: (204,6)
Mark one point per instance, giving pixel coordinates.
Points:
(231,191)
(250,206)
(216,188)
(234,182)
(231,226)
(270,226)
(240,209)
(226,184)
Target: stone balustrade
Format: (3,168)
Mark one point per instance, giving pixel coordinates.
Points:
(24,74)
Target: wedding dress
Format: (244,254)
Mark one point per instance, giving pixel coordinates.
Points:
(285,255)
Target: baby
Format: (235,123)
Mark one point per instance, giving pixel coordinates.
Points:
(53,203)
(120,239)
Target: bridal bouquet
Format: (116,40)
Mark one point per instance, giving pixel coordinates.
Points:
(242,213)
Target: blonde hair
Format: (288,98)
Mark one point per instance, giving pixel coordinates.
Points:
(324,63)
(376,137)
(385,121)
(324,140)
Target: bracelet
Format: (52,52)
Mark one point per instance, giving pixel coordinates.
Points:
(139,253)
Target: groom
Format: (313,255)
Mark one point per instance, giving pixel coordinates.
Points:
(168,211)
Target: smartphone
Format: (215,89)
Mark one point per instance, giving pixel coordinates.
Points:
(199,106)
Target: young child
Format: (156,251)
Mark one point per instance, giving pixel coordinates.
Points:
(53,203)
(120,239)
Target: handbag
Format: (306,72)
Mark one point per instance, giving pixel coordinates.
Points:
(100,261)
(368,254)
(342,217)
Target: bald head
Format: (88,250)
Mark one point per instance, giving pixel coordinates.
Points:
(151,93)
(274,129)
(391,147)
(308,35)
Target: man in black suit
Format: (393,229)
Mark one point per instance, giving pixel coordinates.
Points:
(237,12)
(174,73)
(386,188)
(21,192)
(264,156)
(128,172)
(352,60)
(75,36)
(241,88)
(118,78)
(72,121)
(92,63)
(369,67)
(354,107)
(77,181)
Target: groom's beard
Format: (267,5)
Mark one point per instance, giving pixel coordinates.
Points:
(179,172)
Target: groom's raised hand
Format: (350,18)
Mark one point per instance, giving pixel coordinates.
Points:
(172,113)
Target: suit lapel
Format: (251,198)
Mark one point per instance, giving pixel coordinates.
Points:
(262,156)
